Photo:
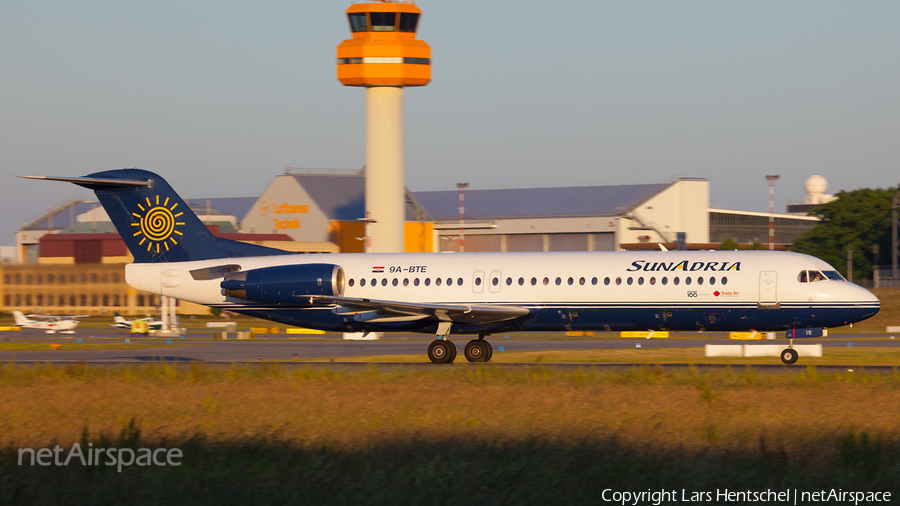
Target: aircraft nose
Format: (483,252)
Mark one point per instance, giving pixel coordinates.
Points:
(865,296)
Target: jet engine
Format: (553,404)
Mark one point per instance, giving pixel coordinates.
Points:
(285,283)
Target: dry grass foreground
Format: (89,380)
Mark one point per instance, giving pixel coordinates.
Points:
(479,435)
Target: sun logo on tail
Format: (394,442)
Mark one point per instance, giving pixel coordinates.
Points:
(157,224)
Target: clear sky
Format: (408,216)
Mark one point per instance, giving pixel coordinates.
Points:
(218,97)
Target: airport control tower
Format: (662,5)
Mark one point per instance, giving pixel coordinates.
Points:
(384,56)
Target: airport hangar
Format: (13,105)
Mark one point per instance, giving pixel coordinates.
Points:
(71,261)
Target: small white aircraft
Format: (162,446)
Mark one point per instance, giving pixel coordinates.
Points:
(122,323)
(51,324)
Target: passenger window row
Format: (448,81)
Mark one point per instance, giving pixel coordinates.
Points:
(545,281)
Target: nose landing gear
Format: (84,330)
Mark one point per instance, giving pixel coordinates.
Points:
(789,355)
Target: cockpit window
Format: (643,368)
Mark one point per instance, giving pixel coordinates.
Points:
(834,275)
(816,276)
(813,276)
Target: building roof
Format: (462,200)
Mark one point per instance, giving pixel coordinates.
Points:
(538,202)
(234,206)
(64,214)
(343,197)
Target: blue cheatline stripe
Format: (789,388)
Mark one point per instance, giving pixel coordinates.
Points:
(598,305)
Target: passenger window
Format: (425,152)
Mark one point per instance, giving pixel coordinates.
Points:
(508,281)
(427,281)
(605,281)
(665,281)
(449,281)
(712,281)
(594,281)
(641,280)
(394,282)
(618,281)
(571,281)
(495,281)
(350,282)
(700,280)
(676,280)
(384,282)
(459,281)
(362,282)
(652,281)
(533,281)
(521,281)
(546,281)
(630,281)
(477,281)
(581,281)
(416,282)
(374,281)
(802,277)
(724,280)
(687,280)
(558,281)
(405,281)
(437,281)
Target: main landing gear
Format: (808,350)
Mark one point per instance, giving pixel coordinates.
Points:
(443,351)
(789,355)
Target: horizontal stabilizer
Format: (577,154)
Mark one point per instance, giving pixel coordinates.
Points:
(94,183)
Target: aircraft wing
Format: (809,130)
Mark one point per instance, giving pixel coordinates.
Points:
(56,317)
(387,310)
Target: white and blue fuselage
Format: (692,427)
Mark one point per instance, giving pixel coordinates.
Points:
(675,290)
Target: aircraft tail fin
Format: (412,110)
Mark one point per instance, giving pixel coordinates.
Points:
(118,318)
(20,318)
(153,220)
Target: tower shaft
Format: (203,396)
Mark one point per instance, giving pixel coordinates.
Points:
(385,198)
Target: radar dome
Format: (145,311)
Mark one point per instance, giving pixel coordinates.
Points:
(816,185)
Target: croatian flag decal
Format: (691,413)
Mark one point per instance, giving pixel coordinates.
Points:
(378,269)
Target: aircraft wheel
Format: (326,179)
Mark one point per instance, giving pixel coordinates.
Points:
(453,352)
(440,351)
(789,356)
(475,351)
(489,349)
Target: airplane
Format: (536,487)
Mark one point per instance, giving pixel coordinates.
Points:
(478,294)
(51,324)
(122,323)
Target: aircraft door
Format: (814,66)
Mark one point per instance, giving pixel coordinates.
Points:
(768,290)
(478,282)
(495,282)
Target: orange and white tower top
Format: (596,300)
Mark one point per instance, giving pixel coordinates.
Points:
(384,57)
(384,50)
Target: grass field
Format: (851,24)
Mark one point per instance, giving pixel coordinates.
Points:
(476,435)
